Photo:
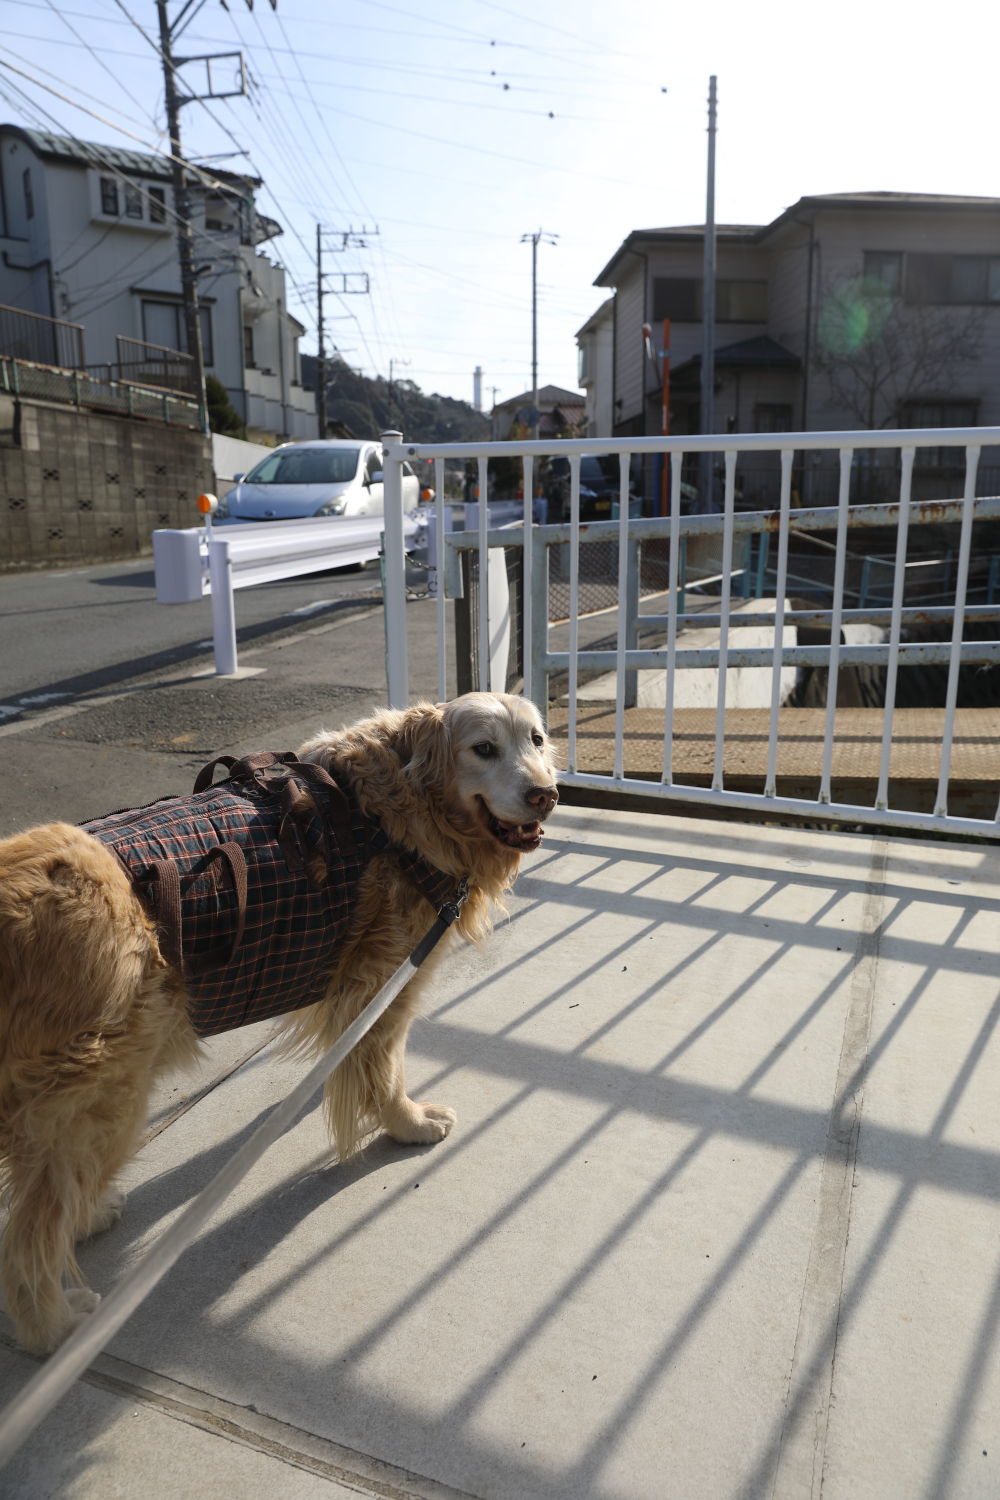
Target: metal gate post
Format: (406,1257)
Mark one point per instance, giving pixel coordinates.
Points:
(394,591)
(537,645)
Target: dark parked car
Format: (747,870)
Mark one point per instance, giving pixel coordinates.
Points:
(599,486)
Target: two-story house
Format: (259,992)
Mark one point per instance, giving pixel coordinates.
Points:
(848,311)
(88,234)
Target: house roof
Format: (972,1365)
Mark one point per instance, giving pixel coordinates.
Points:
(597,317)
(755,234)
(761,353)
(119,159)
(548,395)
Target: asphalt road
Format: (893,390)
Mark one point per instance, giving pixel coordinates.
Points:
(110,700)
(70,631)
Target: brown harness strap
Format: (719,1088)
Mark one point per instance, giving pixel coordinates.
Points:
(167,904)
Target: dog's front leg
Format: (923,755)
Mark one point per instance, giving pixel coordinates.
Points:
(368,1090)
(404,1119)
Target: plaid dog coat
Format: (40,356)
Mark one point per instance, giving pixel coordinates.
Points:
(252,882)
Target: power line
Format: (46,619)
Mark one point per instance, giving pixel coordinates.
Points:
(99,60)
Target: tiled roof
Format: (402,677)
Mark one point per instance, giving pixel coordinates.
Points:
(118,158)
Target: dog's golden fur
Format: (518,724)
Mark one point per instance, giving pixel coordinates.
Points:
(91,1014)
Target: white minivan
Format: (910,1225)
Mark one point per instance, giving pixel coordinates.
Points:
(327,477)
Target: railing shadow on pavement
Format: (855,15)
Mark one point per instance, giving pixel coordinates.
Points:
(613,1091)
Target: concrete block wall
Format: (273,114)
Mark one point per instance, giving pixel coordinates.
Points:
(81,486)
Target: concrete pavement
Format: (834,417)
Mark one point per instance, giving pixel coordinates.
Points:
(719,1217)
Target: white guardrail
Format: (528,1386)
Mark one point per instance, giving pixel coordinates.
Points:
(201,560)
(805,468)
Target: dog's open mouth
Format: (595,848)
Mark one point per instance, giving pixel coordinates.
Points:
(520,836)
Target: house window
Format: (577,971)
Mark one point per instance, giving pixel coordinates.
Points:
(953,280)
(109,196)
(29,197)
(884,267)
(157,205)
(133,201)
(772,416)
(163,324)
(677,298)
(248,358)
(941,414)
(736,301)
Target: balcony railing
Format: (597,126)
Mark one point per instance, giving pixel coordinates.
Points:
(40,340)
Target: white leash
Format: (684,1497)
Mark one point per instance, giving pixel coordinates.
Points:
(53,1380)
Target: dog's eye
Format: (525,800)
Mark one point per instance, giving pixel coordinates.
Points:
(485,750)
(538,739)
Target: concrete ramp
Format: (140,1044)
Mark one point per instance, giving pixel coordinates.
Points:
(697,687)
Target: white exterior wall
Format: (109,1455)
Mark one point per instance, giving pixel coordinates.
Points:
(842,240)
(26,241)
(596,345)
(628,354)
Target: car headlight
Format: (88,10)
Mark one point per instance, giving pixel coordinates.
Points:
(222,509)
(332,507)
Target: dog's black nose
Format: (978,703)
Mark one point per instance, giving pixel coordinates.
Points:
(542,798)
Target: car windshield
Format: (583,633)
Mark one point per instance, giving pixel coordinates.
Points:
(306,466)
(598,471)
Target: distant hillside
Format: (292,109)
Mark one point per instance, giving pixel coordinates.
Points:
(362,407)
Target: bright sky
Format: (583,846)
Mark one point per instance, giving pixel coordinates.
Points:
(456,129)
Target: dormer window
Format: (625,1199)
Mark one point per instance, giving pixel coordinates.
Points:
(109,196)
(133,201)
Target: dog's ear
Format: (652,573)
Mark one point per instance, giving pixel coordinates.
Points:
(425,746)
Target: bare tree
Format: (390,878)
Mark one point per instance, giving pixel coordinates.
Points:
(878,352)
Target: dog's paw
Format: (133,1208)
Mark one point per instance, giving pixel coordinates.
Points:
(107,1212)
(42,1331)
(415,1124)
(81,1302)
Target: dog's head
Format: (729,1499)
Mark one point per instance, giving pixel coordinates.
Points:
(502,775)
(463,782)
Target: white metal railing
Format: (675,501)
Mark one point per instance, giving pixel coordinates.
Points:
(195,561)
(542,661)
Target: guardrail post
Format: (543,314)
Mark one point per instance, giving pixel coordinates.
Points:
(220,572)
(394,600)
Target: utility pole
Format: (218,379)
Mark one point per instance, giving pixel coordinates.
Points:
(182,205)
(550,239)
(321,345)
(706,498)
(392,363)
(349,238)
(174,100)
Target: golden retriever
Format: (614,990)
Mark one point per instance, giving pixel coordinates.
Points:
(91,1012)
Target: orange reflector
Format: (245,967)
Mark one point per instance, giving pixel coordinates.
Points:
(207,503)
